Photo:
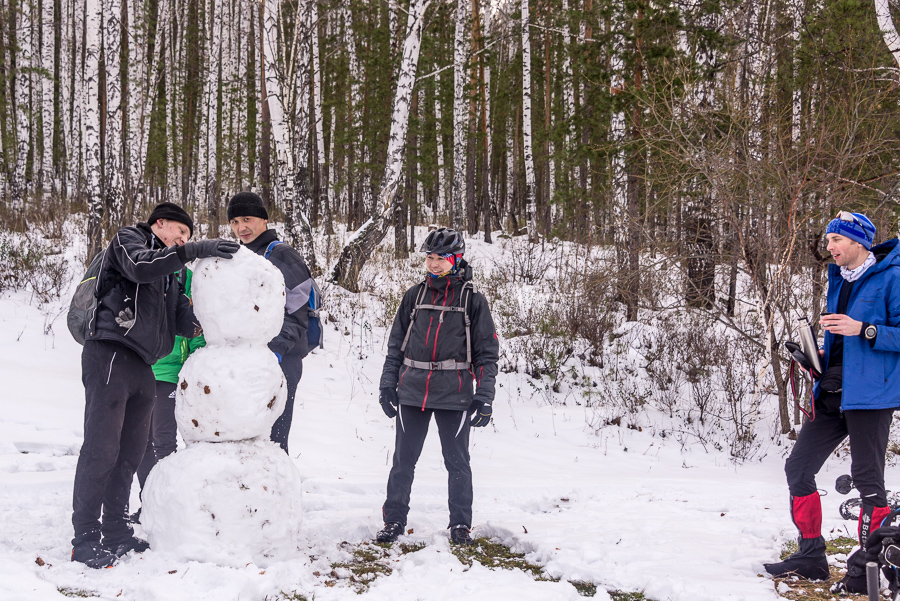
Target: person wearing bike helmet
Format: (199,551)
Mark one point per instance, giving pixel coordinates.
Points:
(441,362)
(855,396)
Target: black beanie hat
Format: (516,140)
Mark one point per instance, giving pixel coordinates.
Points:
(246,204)
(170,210)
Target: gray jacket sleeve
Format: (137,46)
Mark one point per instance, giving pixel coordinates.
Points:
(485,349)
(297,286)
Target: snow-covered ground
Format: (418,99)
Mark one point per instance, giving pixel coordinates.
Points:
(617,507)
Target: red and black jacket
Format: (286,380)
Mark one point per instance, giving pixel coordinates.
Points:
(433,339)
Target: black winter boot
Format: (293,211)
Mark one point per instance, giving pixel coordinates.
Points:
(390,532)
(459,535)
(93,555)
(854,582)
(126,545)
(808,562)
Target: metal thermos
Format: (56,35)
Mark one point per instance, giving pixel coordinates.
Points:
(808,343)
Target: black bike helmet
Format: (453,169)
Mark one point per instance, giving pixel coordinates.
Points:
(444,241)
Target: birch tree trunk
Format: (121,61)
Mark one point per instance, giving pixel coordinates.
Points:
(320,176)
(888,30)
(487,186)
(364,240)
(441,166)
(91,102)
(286,80)
(527,149)
(458,189)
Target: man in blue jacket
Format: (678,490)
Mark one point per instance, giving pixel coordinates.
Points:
(856,395)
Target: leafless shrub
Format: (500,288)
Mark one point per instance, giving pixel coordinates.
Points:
(27,263)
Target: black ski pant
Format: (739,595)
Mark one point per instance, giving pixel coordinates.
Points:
(412,427)
(119,392)
(868,431)
(163,430)
(292,367)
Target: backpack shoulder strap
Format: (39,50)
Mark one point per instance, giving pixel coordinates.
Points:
(269,248)
(412,316)
(464,301)
(103,288)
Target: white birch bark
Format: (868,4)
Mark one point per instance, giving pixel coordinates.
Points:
(888,30)
(617,135)
(441,166)
(487,13)
(113,147)
(287,88)
(317,101)
(357,249)
(527,144)
(568,85)
(460,116)
(91,123)
(22,100)
(420,187)
(330,176)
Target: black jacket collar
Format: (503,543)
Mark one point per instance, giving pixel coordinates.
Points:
(152,239)
(263,240)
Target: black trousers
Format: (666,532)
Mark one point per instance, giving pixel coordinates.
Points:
(163,438)
(412,427)
(119,392)
(292,367)
(868,431)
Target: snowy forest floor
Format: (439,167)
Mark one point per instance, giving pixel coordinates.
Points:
(614,508)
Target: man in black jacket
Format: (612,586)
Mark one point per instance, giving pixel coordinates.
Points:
(249,221)
(134,324)
(441,361)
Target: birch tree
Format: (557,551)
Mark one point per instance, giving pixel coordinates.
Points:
(888,30)
(286,76)
(91,103)
(320,175)
(458,189)
(361,243)
(528,147)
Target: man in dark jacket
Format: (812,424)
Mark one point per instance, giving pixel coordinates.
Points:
(249,221)
(442,362)
(138,314)
(855,397)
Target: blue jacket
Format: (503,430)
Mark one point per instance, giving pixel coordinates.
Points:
(871,373)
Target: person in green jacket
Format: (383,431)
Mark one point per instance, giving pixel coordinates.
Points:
(163,429)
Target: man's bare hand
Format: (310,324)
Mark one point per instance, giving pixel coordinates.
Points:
(841,324)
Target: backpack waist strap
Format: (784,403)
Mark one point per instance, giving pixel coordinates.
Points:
(445,365)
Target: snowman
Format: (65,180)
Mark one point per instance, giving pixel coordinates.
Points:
(232,496)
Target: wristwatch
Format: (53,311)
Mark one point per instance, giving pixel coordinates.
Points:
(870,332)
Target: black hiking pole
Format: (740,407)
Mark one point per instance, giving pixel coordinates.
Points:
(873,580)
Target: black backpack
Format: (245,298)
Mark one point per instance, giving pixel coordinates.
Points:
(84,301)
(315,337)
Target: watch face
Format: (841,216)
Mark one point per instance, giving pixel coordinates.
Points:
(870,332)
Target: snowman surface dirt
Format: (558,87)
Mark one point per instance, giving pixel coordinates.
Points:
(616,507)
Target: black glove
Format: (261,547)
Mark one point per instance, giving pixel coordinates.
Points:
(877,537)
(481,413)
(205,249)
(800,358)
(389,401)
(832,379)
